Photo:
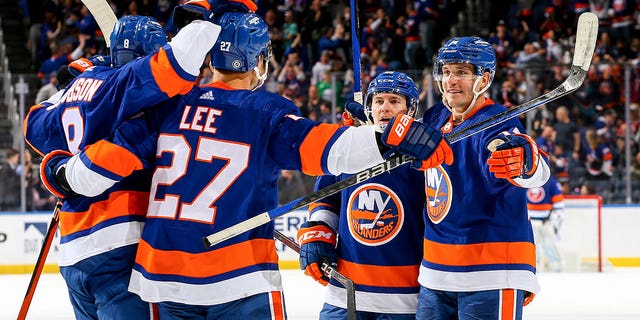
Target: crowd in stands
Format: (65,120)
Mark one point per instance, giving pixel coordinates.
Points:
(584,133)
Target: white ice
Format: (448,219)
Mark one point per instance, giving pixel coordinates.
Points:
(611,295)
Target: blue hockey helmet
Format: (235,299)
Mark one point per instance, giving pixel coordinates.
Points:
(243,39)
(393,82)
(134,37)
(472,50)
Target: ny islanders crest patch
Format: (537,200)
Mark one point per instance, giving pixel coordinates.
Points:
(439,193)
(375,214)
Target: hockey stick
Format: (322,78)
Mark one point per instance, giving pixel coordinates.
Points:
(355,47)
(42,257)
(104,16)
(586,35)
(106,20)
(329,271)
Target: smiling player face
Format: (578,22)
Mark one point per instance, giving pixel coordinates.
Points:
(386,106)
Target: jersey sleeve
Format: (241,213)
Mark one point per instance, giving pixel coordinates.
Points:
(322,148)
(108,161)
(41,126)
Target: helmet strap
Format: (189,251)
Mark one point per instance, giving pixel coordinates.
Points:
(261,77)
(461,116)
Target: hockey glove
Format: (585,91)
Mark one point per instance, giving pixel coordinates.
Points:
(52,171)
(69,72)
(415,139)
(443,154)
(356,110)
(528,297)
(515,156)
(317,246)
(208,10)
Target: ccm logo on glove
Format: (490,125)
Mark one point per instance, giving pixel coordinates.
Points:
(318,233)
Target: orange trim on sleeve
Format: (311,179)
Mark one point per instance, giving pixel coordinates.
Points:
(113,158)
(314,205)
(209,263)
(539,206)
(120,203)
(480,253)
(165,76)
(557,198)
(380,276)
(25,124)
(313,146)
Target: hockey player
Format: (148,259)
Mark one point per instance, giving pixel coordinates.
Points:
(479,254)
(546,211)
(216,153)
(379,224)
(99,236)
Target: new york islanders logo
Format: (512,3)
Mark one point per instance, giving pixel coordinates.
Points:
(535,195)
(439,193)
(375,214)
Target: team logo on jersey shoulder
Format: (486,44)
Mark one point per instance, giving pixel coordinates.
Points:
(375,214)
(439,193)
(535,195)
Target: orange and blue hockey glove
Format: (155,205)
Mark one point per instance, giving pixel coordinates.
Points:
(67,73)
(415,139)
(52,173)
(208,10)
(356,112)
(317,246)
(443,154)
(516,156)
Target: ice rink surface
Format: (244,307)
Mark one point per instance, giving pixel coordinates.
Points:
(611,295)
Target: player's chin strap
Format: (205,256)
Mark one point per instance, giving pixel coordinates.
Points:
(461,116)
(261,77)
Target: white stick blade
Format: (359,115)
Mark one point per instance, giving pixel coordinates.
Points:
(104,16)
(586,36)
(237,229)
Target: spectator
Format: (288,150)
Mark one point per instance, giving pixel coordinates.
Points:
(293,78)
(598,157)
(325,113)
(559,164)
(289,29)
(42,199)
(322,65)
(48,90)
(567,133)
(10,177)
(324,86)
(62,55)
(531,55)
(428,15)
(501,42)
(412,38)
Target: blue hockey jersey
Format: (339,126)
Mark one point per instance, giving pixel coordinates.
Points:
(379,224)
(90,109)
(477,236)
(216,154)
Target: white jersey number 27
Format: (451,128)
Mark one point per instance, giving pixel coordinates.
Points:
(202,208)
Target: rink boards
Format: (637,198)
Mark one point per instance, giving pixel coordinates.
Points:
(21,236)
